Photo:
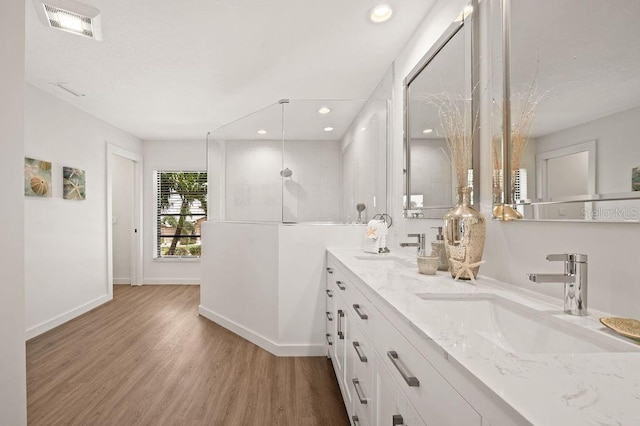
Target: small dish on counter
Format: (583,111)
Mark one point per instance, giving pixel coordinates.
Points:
(626,327)
(428,265)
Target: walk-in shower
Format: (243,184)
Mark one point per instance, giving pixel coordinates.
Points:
(301,161)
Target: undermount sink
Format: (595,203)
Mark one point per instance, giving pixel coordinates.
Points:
(513,327)
(388,258)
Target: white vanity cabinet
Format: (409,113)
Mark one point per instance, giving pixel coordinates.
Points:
(384,379)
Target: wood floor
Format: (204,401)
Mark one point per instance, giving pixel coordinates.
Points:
(147,358)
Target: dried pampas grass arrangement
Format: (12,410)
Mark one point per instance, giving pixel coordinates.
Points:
(457,126)
(524,106)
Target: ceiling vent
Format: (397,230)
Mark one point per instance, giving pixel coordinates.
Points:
(69,16)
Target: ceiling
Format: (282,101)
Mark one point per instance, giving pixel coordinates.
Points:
(169,70)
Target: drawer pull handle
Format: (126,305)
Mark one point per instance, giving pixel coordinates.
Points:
(356,386)
(356,421)
(411,380)
(329,293)
(363,357)
(329,342)
(397,420)
(356,307)
(340,316)
(329,270)
(329,316)
(341,285)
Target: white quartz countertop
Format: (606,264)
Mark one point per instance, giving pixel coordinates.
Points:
(593,388)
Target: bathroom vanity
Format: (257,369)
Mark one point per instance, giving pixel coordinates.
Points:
(409,349)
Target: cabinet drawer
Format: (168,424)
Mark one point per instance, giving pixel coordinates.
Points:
(436,401)
(362,358)
(363,311)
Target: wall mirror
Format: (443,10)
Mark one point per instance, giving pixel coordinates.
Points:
(440,104)
(572,103)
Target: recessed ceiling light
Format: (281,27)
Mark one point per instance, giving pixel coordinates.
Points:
(427,131)
(362,129)
(324,110)
(381,13)
(262,132)
(66,15)
(328,129)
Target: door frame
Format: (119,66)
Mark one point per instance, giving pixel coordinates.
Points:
(137,240)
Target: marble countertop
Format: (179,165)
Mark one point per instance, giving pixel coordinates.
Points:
(594,388)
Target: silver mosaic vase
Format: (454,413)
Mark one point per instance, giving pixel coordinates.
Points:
(464,234)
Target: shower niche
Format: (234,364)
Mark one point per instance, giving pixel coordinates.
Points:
(294,161)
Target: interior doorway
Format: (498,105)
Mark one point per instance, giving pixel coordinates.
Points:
(124,217)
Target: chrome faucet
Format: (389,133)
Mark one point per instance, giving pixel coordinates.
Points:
(574,279)
(420,244)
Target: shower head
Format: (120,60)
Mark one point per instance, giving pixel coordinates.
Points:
(286,172)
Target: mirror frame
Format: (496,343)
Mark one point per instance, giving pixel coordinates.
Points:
(471,21)
(506,196)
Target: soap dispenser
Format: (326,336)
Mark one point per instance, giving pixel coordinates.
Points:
(438,250)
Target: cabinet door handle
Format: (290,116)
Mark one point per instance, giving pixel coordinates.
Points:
(341,285)
(356,421)
(329,316)
(329,342)
(329,293)
(411,380)
(340,316)
(363,357)
(356,386)
(329,270)
(397,420)
(356,307)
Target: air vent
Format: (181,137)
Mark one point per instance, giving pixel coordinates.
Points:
(69,16)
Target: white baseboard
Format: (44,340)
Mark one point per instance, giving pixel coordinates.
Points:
(171,281)
(280,350)
(117,281)
(67,316)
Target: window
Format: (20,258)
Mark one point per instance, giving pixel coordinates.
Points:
(181,209)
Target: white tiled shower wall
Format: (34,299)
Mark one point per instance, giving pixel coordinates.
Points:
(255,191)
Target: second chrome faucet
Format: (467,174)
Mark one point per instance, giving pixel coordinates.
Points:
(574,279)
(420,245)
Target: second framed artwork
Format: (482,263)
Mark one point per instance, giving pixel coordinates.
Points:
(73,183)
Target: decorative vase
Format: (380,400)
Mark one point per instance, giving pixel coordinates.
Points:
(464,234)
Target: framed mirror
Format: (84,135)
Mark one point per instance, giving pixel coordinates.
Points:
(440,112)
(571,111)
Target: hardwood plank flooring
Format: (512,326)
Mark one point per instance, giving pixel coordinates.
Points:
(148,358)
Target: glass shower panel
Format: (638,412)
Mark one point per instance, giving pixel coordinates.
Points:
(301,161)
(251,167)
(337,152)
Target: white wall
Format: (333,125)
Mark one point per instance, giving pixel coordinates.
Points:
(515,248)
(267,281)
(311,194)
(255,191)
(122,218)
(171,156)
(65,240)
(13,395)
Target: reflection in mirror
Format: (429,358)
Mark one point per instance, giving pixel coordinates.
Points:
(439,112)
(576,64)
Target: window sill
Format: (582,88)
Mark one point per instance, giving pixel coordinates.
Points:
(177,259)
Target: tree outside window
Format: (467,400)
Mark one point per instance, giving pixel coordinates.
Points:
(182,207)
